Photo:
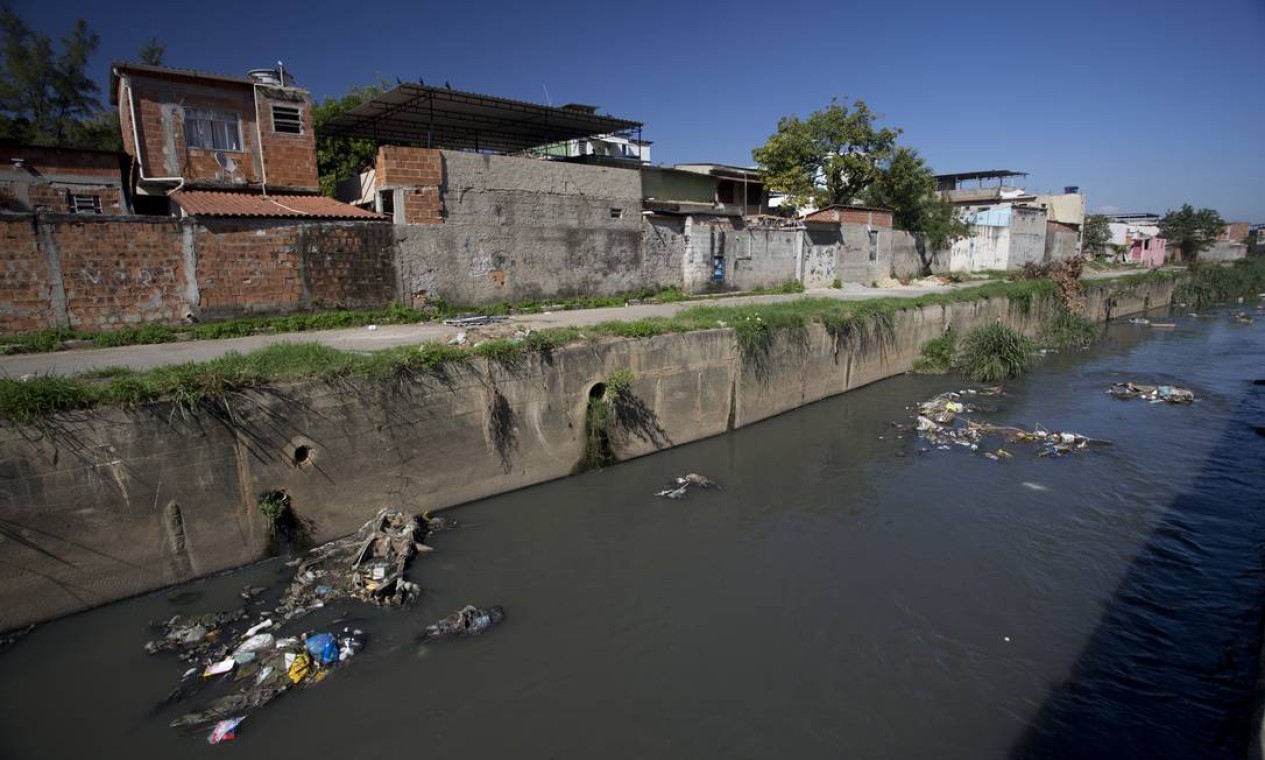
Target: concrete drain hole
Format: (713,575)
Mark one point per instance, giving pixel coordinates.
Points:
(302,455)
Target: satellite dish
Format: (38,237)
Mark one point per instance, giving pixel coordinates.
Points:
(226,163)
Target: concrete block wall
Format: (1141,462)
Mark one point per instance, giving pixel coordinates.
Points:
(1027,237)
(1060,242)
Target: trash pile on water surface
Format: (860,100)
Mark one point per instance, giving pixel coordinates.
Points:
(260,663)
(942,422)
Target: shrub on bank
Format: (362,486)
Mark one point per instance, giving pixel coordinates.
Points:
(995,353)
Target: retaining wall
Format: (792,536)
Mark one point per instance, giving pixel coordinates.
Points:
(103,504)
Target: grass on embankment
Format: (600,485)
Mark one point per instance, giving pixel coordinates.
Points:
(54,339)
(755,325)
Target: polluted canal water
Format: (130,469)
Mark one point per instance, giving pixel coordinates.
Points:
(849,592)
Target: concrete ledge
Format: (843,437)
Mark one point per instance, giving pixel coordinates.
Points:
(104,504)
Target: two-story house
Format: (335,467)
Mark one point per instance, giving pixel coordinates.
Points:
(213,145)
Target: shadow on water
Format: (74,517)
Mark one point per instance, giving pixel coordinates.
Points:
(1171,669)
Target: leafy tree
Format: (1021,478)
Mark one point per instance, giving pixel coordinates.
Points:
(1190,230)
(338,158)
(45,95)
(154,52)
(907,186)
(830,157)
(1095,234)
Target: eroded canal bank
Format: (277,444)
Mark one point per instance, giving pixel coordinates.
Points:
(844,595)
(109,502)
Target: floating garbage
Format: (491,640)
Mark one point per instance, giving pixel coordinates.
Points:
(956,430)
(369,565)
(288,663)
(261,662)
(467,621)
(193,637)
(1139,321)
(225,730)
(1163,325)
(943,409)
(678,487)
(1153,393)
(1242,318)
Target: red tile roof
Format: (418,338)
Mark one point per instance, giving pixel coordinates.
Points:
(215,203)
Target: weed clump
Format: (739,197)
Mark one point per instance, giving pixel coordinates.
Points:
(937,355)
(1070,330)
(995,353)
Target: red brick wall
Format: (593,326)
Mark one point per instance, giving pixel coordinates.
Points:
(421,172)
(121,273)
(246,267)
(350,266)
(159,105)
(24,279)
(127,271)
(290,160)
(849,215)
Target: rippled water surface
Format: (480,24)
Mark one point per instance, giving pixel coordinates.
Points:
(844,596)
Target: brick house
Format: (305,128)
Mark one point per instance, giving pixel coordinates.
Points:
(192,131)
(61,180)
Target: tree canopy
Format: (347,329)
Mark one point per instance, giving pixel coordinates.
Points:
(1095,234)
(907,186)
(339,158)
(154,52)
(46,96)
(1190,230)
(830,157)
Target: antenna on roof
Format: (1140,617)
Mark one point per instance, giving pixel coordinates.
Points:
(548,102)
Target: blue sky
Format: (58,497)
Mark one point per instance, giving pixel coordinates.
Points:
(1144,105)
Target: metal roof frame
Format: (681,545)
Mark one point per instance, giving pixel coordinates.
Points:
(438,117)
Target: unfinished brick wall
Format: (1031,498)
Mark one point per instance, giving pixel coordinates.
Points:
(289,159)
(25,299)
(160,104)
(120,273)
(248,267)
(419,173)
(100,273)
(349,266)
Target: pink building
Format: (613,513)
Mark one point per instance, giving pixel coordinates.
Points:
(1147,251)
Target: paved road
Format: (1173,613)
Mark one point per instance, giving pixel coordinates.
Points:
(387,336)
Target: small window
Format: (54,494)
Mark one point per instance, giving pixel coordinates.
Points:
(84,204)
(213,130)
(386,202)
(873,246)
(287,119)
(617,213)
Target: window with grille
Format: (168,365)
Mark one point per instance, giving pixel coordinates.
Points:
(84,204)
(214,130)
(287,119)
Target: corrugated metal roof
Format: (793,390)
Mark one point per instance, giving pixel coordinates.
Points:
(444,118)
(216,203)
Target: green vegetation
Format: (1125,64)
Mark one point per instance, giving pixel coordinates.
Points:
(996,352)
(1207,284)
(53,339)
(830,157)
(1095,234)
(274,505)
(1067,329)
(907,186)
(857,323)
(1190,232)
(937,355)
(788,287)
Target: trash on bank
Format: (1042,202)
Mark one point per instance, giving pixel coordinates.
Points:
(1153,393)
(467,621)
(678,487)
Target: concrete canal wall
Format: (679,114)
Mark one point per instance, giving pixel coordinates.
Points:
(99,505)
